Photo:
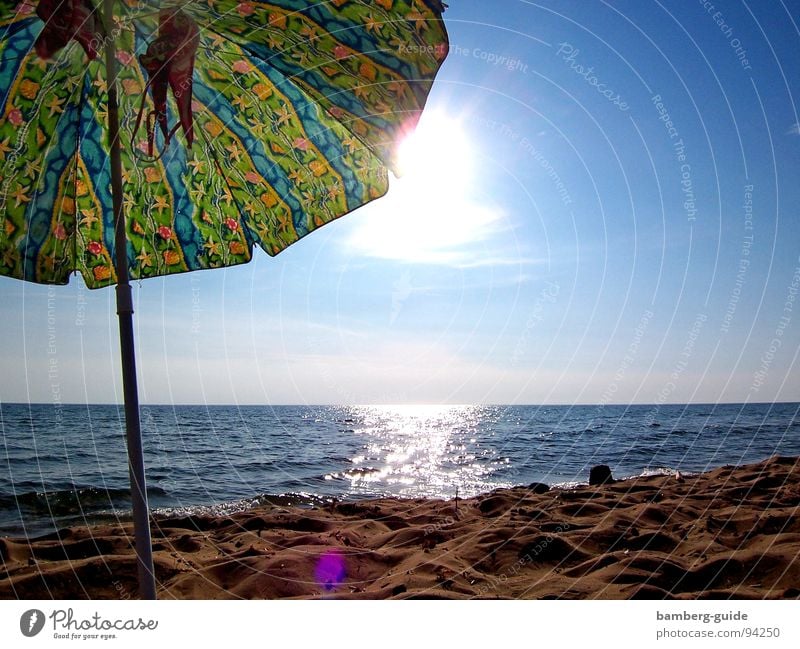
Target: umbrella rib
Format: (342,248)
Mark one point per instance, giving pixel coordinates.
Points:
(78,140)
(74,263)
(78,107)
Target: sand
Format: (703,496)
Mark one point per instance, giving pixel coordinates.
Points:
(731,533)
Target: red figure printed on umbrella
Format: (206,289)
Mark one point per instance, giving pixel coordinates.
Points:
(65,20)
(169,61)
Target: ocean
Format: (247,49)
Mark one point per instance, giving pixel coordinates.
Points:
(63,465)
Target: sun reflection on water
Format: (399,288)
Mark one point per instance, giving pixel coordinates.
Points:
(422,450)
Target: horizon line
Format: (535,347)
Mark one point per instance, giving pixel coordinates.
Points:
(392,405)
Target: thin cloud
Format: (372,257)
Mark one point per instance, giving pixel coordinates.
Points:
(439,229)
(509,260)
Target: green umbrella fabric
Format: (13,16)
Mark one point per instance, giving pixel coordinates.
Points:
(297,109)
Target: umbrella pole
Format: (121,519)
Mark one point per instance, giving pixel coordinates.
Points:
(133,434)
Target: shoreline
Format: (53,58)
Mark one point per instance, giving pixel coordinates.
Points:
(303,501)
(300,500)
(733,532)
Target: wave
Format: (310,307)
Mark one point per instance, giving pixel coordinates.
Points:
(305,500)
(658,470)
(360,473)
(64,502)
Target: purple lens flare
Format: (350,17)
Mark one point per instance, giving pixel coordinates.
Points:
(331,570)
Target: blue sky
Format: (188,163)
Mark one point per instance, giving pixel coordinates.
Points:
(603,208)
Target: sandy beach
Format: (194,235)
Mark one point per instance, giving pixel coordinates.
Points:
(730,533)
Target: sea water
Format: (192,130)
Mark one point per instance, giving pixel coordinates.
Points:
(66,464)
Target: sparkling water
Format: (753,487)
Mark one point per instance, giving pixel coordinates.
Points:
(66,464)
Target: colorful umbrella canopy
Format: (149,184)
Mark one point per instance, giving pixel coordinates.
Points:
(295,107)
(209,127)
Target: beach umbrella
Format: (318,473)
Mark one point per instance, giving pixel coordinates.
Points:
(143,138)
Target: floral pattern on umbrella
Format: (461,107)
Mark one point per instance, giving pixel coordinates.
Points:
(297,107)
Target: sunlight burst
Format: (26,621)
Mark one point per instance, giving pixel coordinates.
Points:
(431,213)
(437,155)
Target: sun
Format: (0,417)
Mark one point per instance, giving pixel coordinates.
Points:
(437,153)
(431,213)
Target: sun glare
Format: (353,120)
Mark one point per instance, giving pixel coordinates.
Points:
(431,213)
(437,153)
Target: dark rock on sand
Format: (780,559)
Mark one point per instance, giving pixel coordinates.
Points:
(600,474)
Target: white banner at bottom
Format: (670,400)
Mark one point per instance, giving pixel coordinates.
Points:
(466,624)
